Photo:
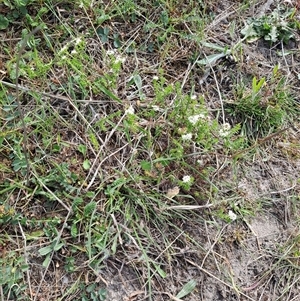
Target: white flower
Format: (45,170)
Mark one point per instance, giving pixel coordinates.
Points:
(155,77)
(232,215)
(130,110)
(226,126)
(194,118)
(77,41)
(73,51)
(64,49)
(120,59)
(225,131)
(186,179)
(200,162)
(156,108)
(110,52)
(187,136)
(193,97)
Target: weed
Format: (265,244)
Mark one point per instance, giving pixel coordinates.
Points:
(12,270)
(17,9)
(91,293)
(125,144)
(278,26)
(263,108)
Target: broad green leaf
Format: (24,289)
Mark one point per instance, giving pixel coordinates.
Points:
(102,19)
(160,271)
(34,235)
(138,81)
(94,141)
(24,267)
(82,148)
(90,194)
(249,32)
(108,93)
(74,230)
(102,293)
(117,42)
(114,244)
(211,59)
(256,86)
(89,208)
(146,165)
(273,34)
(213,46)
(91,288)
(275,70)
(103,33)
(86,164)
(46,261)
(3,22)
(58,246)
(45,250)
(187,289)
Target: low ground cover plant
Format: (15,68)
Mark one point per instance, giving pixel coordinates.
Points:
(119,123)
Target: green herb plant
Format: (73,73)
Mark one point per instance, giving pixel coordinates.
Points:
(278,26)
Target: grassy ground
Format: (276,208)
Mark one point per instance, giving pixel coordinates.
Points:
(149,150)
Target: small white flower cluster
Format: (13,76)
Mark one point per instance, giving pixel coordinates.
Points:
(111,52)
(186,179)
(225,130)
(232,215)
(77,40)
(200,162)
(156,108)
(187,136)
(194,118)
(130,110)
(118,57)
(155,77)
(65,48)
(193,97)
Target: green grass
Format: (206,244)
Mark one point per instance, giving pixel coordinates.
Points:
(122,142)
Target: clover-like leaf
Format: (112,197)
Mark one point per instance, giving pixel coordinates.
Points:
(3,22)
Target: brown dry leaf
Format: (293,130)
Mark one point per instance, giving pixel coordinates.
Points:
(172,192)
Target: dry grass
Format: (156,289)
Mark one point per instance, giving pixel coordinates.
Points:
(148,169)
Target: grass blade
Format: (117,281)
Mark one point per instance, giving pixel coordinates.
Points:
(187,289)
